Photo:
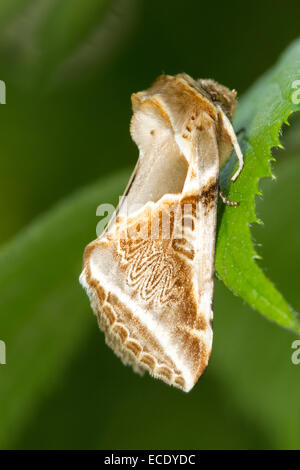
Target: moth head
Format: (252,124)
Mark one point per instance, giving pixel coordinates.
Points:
(221,95)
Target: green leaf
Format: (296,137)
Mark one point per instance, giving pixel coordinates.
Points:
(261,112)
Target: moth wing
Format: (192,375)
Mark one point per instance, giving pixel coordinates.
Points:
(150,275)
(126,192)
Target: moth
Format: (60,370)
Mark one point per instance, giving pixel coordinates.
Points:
(150,275)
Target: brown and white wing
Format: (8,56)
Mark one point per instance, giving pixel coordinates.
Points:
(150,276)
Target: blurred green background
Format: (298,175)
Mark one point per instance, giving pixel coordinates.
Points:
(70,67)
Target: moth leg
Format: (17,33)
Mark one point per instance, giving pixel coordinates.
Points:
(226,201)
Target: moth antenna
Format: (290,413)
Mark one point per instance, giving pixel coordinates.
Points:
(226,201)
(232,135)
